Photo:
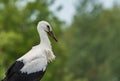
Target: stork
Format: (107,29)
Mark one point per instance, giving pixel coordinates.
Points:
(32,65)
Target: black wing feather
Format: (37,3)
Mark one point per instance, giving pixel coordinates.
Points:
(14,74)
(13,69)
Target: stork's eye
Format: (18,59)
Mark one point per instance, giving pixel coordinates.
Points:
(48,27)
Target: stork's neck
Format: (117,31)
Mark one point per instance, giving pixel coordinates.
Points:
(44,39)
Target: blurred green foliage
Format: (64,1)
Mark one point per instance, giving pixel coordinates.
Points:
(93,42)
(88,50)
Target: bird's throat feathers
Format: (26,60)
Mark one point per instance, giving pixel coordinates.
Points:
(49,55)
(44,41)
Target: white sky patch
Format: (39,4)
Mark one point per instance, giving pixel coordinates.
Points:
(107,3)
(68,10)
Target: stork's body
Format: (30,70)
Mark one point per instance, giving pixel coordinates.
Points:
(32,65)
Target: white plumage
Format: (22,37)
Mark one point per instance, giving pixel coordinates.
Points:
(32,65)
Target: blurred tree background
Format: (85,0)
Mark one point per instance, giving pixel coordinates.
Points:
(88,50)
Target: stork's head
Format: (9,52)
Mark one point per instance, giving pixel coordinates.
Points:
(45,26)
